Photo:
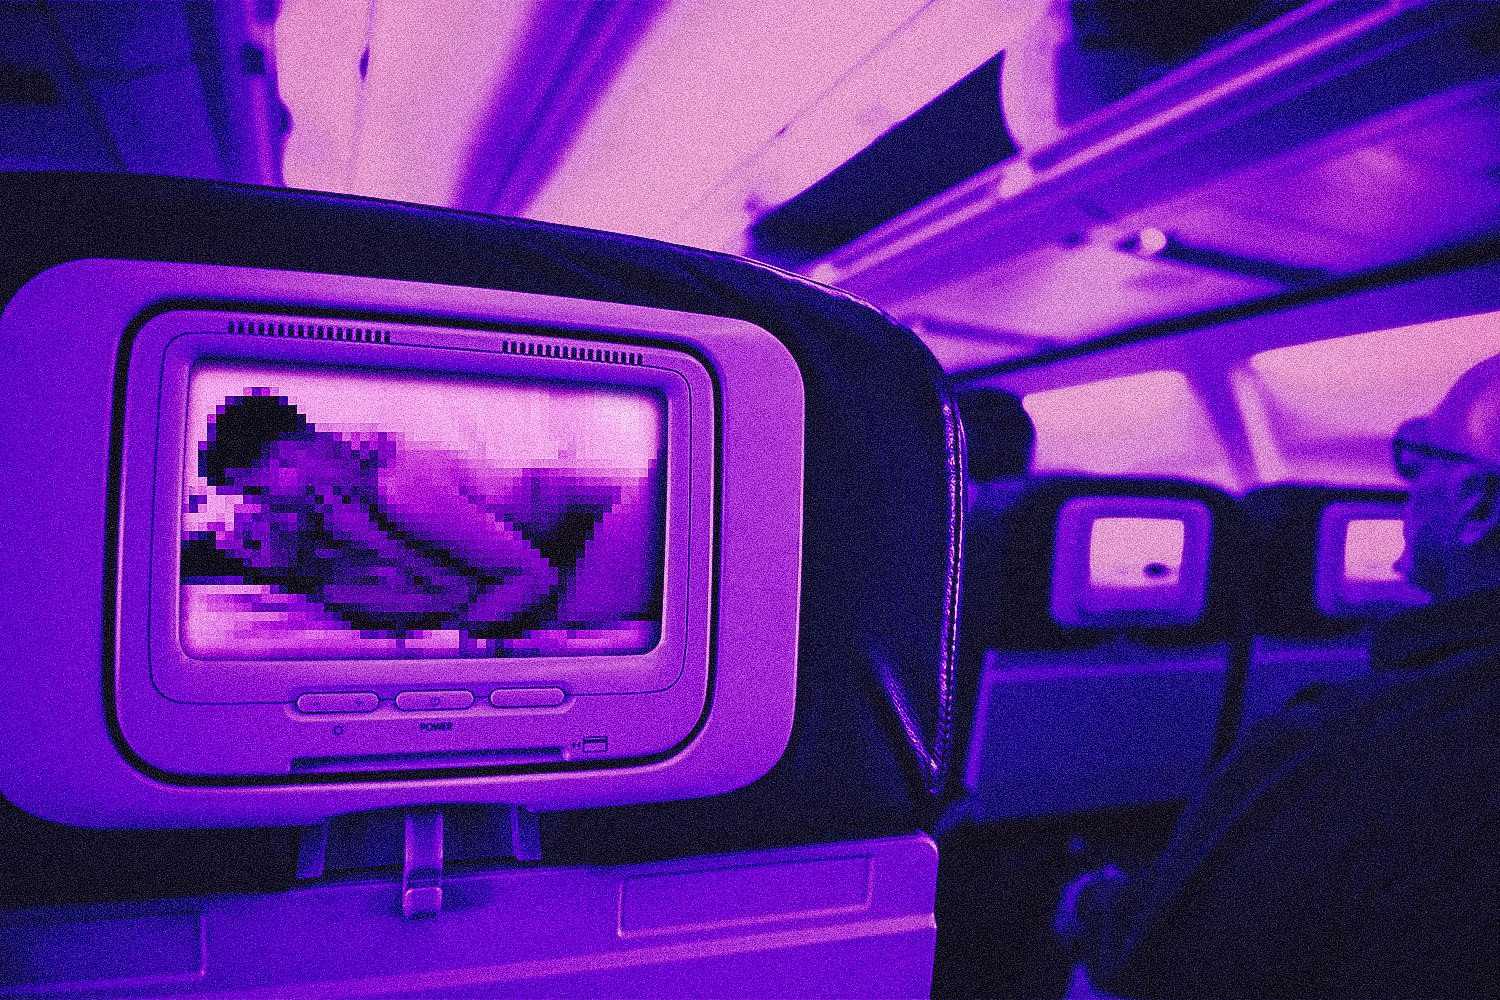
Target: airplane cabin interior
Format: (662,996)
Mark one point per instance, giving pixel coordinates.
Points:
(727,499)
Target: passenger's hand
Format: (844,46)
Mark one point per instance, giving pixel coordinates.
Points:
(1071,918)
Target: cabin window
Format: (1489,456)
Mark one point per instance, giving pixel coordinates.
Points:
(1331,406)
(1151,424)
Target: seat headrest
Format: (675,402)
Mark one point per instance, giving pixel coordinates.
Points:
(1075,558)
(883,492)
(1320,559)
(998,434)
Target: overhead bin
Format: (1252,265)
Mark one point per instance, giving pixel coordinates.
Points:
(1336,138)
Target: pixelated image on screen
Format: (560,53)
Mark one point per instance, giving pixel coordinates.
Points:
(372,515)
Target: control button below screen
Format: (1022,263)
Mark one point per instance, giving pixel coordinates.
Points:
(527,697)
(431,701)
(339,701)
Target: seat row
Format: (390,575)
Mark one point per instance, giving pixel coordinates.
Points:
(1119,632)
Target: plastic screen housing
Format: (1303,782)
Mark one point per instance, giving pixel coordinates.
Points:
(1128,561)
(1358,545)
(132,728)
(241,711)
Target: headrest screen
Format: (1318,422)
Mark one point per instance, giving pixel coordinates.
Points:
(1371,548)
(1358,545)
(358,515)
(1136,552)
(1130,560)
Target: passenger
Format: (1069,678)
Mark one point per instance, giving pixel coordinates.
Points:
(1351,845)
(389,542)
(998,433)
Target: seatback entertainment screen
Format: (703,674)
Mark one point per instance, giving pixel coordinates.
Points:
(376,515)
(302,544)
(1122,561)
(328,532)
(1359,543)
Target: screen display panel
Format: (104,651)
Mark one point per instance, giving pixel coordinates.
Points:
(1371,548)
(1136,552)
(1359,544)
(1129,560)
(361,514)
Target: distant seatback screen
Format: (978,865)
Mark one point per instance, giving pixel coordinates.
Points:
(1122,561)
(1136,552)
(1359,543)
(339,514)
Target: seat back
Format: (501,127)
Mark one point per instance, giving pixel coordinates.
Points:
(1103,610)
(871,747)
(847,919)
(999,436)
(1318,575)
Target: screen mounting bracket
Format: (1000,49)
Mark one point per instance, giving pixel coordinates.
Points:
(420,841)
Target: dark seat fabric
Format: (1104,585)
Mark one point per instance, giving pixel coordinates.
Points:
(1349,846)
(1281,534)
(999,435)
(871,746)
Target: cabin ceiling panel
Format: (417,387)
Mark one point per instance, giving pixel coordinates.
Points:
(123,39)
(708,86)
(117,86)
(1149,424)
(1368,383)
(960,348)
(1386,205)
(1210,220)
(138,63)
(1374,142)
(446,102)
(1371,194)
(179,143)
(1465,138)
(44,118)
(925,55)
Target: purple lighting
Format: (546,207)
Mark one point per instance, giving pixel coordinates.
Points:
(358,515)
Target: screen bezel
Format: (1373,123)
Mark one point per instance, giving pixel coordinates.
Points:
(163,356)
(644,705)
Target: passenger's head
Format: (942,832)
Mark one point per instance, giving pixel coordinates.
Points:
(1451,458)
(263,446)
(999,434)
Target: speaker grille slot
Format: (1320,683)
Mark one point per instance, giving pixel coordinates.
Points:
(310,331)
(574,353)
(369,335)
